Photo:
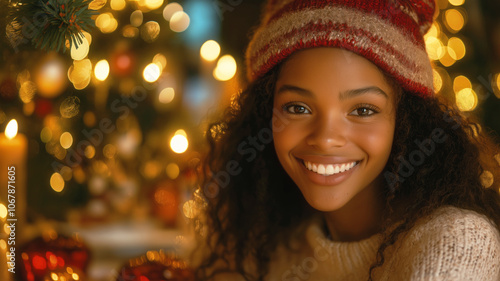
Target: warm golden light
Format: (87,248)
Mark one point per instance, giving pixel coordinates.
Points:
(97,4)
(46,134)
(438,81)
(27,91)
(458,47)
(434,30)
(447,60)
(57,182)
(3,211)
(189,209)
(136,18)
(80,73)
(173,171)
(153,4)
(151,73)
(456,2)
(117,5)
(101,70)
(466,99)
(461,82)
(66,140)
(89,152)
(434,47)
(226,68)
(166,95)
(150,31)
(179,21)
(210,50)
(106,22)
(454,20)
(49,77)
(11,129)
(160,60)
(179,142)
(170,10)
(80,52)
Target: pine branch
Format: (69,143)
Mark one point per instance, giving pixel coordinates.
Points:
(48,24)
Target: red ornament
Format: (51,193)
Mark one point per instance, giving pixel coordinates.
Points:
(156,266)
(45,256)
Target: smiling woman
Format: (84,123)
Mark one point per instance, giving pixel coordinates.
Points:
(368,176)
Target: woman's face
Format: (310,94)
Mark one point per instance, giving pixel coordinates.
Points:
(333,125)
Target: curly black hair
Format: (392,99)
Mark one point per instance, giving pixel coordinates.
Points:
(439,157)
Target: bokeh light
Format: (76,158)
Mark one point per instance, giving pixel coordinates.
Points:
(171,9)
(97,4)
(106,22)
(456,2)
(226,68)
(89,151)
(166,95)
(3,211)
(189,209)
(210,50)
(458,47)
(80,73)
(173,171)
(81,51)
(153,4)
(438,81)
(466,99)
(117,5)
(454,20)
(70,107)
(160,60)
(179,21)
(151,73)
(434,47)
(150,31)
(45,134)
(66,140)
(49,77)
(179,142)
(101,70)
(27,91)
(57,182)
(136,18)
(461,82)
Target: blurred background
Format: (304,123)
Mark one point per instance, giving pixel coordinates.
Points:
(106,137)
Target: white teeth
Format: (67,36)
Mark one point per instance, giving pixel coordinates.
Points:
(321,169)
(329,169)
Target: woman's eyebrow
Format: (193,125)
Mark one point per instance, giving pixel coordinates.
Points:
(356,92)
(291,88)
(343,95)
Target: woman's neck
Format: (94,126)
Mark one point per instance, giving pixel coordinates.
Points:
(359,219)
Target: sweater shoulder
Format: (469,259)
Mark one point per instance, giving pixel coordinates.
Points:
(450,244)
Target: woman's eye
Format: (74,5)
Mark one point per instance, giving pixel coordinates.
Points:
(363,111)
(296,109)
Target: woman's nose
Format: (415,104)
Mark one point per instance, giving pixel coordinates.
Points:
(328,132)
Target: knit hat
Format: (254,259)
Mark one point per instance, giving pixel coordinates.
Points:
(389,33)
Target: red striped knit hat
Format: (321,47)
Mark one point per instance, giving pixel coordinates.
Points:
(387,32)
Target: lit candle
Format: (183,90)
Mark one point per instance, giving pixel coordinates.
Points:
(13,149)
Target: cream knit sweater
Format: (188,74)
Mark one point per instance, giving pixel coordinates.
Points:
(451,244)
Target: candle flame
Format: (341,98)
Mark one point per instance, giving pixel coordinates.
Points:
(11,129)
